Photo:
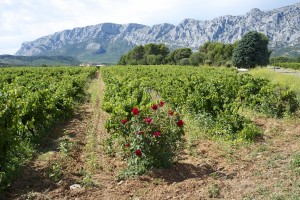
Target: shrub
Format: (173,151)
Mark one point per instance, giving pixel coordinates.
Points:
(228,64)
(196,59)
(208,62)
(184,62)
(149,139)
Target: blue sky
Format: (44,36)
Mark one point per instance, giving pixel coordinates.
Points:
(27,20)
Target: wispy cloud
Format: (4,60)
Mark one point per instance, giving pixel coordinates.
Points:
(26,20)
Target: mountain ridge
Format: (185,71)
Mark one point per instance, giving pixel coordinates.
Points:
(106,42)
(16,61)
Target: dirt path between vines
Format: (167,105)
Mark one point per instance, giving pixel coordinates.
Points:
(206,169)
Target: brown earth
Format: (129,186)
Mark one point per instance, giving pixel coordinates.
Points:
(206,169)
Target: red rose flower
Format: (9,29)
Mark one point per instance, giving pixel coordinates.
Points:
(140,132)
(148,120)
(124,121)
(155,107)
(127,145)
(170,112)
(180,123)
(161,103)
(138,152)
(135,111)
(156,134)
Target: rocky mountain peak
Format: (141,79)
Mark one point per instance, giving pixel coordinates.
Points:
(255,11)
(108,41)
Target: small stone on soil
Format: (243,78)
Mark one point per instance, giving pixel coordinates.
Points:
(75,186)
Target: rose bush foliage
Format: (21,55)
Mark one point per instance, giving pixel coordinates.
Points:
(148,138)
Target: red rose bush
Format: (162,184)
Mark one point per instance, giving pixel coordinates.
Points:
(150,137)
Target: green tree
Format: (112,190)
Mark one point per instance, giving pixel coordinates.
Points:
(282,59)
(150,54)
(137,53)
(216,52)
(184,62)
(251,51)
(122,60)
(228,50)
(178,54)
(156,49)
(154,59)
(196,59)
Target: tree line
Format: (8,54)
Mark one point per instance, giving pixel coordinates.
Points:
(252,50)
(211,53)
(283,59)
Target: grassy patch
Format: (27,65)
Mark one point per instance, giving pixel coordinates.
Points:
(55,171)
(91,160)
(285,80)
(295,164)
(214,191)
(87,180)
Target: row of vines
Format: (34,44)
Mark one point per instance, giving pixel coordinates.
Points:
(215,93)
(31,101)
(213,97)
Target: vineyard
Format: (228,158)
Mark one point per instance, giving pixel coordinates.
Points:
(197,126)
(213,97)
(32,100)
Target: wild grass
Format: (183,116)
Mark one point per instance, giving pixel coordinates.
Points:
(92,146)
(92,143)
(286,80)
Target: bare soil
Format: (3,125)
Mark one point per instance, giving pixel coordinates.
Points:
(206,169)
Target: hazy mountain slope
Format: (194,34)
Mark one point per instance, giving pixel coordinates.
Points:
(9,60)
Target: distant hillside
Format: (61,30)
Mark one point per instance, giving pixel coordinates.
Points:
(105,43)
(9,60)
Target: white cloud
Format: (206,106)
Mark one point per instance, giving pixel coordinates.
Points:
(8,2)
(9,44)
(26,20)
